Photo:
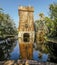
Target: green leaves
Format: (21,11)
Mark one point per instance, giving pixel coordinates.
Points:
(53,17)
(7,26)
(53,11)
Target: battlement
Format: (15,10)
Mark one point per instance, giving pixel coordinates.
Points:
(26,8)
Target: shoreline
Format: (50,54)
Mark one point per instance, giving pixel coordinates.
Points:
(25,62)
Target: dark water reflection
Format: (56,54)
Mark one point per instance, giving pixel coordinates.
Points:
(52,49)
(11,51)
(6,48)
(16,53)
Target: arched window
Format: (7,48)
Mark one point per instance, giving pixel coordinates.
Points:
(26,37)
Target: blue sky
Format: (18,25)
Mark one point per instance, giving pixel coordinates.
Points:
(11,7)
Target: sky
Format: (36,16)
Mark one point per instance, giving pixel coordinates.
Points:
(11,7)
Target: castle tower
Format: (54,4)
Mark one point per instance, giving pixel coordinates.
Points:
(26,31)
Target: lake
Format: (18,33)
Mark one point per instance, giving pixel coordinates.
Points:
(10,50)
(15,54)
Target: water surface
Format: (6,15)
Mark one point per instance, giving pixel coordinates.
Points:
(15,54)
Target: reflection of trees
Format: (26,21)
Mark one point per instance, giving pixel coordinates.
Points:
(52,49)
(5,50)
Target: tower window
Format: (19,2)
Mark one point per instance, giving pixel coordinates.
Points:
(26,37)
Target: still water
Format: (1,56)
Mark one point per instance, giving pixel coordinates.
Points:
(10,50)
(15,54)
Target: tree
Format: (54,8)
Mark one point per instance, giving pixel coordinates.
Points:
(53,16)
(50,25)
(7,25)
(41,30)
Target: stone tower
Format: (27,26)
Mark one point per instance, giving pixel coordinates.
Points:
(26,31)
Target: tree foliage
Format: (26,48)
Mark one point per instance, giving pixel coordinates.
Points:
(7,25)
(53,16)
(51,22)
